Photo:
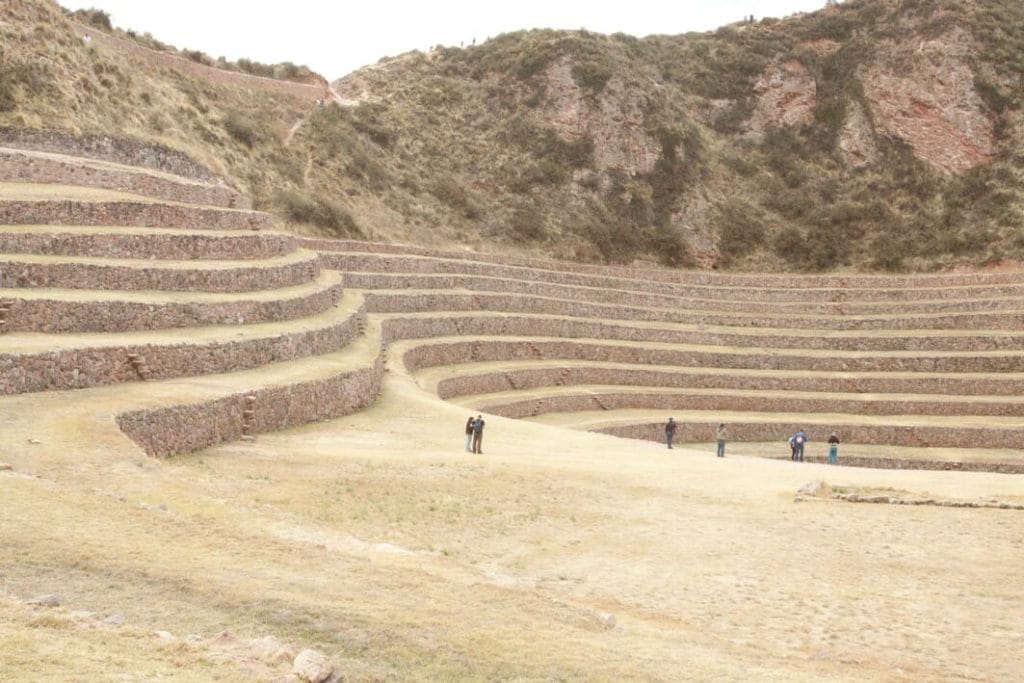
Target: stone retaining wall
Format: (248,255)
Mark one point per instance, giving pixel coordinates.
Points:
(120,150)
(490,278)
(486,350)
(402,302)
(468,324)
(18,167)
(58,316)
(128,213)
(167,431)
(467,384)
(98,366)
(160,245)
(796,402)
(951,436)
(245,277)
(361,251)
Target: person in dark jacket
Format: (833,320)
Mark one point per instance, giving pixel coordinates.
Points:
(469,433)
(670,431)
(833,449)
(720,436)
(797,442)
(478,434)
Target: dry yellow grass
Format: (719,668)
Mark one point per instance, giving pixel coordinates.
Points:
(378,540)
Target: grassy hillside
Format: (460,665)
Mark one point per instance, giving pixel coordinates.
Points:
(729,149)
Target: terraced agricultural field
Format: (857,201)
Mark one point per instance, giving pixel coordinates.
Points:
(220,432)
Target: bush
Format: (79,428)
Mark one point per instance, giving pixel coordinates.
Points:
(322,212)
(528,222)
(241,128)
(455,195)
(15,77)
(96,18)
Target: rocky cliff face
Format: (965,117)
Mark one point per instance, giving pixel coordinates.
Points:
(730,149)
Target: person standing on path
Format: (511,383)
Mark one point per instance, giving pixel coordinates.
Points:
(720,436)
(833,449)
(478,434)
(797,441)
(469,433)
(670,431)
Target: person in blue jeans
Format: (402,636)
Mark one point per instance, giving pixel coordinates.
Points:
(797,442)
(833,449)
(720,435)
(670,431)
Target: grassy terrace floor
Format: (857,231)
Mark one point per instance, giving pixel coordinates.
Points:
(377,539)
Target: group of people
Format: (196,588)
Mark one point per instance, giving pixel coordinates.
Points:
(796,442)
(670,433)
(474,434)
(475,439)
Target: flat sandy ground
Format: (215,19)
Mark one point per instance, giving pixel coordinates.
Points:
(555,555)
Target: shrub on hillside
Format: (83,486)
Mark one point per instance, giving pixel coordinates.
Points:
(18,76)
(322,212)
(96,18)
(241,128)
(455,195)
(527,222)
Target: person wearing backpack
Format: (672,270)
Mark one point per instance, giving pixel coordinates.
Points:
(797,442)
(478,434)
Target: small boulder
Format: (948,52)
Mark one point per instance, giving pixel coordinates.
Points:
(265,648)
(114,620)
(312,666)
(607,620)
(164,635)
(193,639)
(812,488)
(4,467)
(45,601)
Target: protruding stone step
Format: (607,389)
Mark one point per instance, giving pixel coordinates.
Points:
(183,416)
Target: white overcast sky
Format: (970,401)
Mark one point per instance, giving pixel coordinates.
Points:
(335,38)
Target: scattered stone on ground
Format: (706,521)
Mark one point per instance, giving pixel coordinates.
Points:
(114,620)
(5,467)
(83,615)
(813,488)
(164,635)
(312,666)
(45,601)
